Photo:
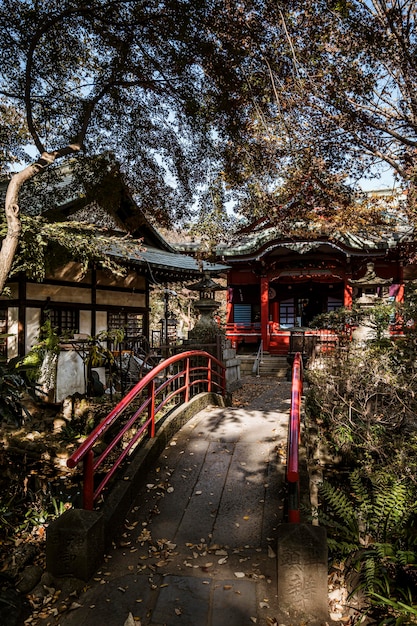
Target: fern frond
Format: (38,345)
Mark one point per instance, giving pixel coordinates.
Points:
(384,550)
(406,557)
(337,501)
(343,548)
(360,490)
(369,574)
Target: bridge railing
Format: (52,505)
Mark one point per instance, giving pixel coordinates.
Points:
(172,382)
(293,443)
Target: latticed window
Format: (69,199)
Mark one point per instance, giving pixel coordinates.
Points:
(132,323)
(64,321)
(3,331)
(242,314)
(287,313)
(334,303)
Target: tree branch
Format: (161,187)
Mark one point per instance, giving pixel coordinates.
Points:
(14,226)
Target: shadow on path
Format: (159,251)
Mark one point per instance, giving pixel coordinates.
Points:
(198,547)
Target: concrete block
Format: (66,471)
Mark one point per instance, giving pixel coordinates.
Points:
(70,375)
(229,353)
(75,544)
(302,572)
(232,362)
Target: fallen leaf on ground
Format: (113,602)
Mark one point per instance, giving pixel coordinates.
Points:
(271,553)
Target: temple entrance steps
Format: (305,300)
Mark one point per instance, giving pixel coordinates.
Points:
(273,365)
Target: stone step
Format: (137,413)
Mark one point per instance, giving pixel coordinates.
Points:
(270,365)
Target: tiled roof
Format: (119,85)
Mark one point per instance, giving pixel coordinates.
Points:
(263,241)
(163,259)
(160,259)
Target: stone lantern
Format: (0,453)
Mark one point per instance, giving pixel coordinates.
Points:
(206,329)
(372,290)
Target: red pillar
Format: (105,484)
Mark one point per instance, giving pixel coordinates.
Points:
(400,294)
(347,298)
(264,311)
(275,311)
(229,312)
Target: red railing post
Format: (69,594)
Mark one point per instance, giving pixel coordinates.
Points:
(187,380)
(209,374)
(293,473)
(88,475)
(149,406)
(151,409)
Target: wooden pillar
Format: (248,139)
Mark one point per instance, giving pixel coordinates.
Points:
(275,311)
(347,296)
(400,293)
(264,311)
(229,306)
(145,316)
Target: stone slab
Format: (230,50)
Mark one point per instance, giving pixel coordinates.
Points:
(184,601)
(240,515)
(111,600)
(70,375)
(204,500)
(302,572)
(234,603)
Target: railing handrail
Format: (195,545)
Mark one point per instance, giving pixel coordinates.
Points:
(293,469)
(258,359)
(85,451)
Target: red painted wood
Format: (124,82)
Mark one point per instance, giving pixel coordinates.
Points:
(212,375)
(293,469)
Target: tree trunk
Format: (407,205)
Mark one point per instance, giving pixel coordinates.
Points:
(14,225)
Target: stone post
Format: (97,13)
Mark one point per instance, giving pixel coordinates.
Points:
(302,573)
(75,544)
(232,364)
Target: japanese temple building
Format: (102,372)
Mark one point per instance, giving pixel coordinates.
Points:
(278,282)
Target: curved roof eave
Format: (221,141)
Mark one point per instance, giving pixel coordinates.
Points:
(349,244)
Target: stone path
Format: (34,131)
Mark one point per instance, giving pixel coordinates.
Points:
(198,547)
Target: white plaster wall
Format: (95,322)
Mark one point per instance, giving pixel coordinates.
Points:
(12,328)
(101,321)
(121,298)
(33,323)
(85,323)
(57,293)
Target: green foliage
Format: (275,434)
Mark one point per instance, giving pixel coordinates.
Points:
(368,523)
(42,355)
(101,346)
(96,89)
(20,514)
(12,387)
(338,320)
(330,66)
(362,401)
